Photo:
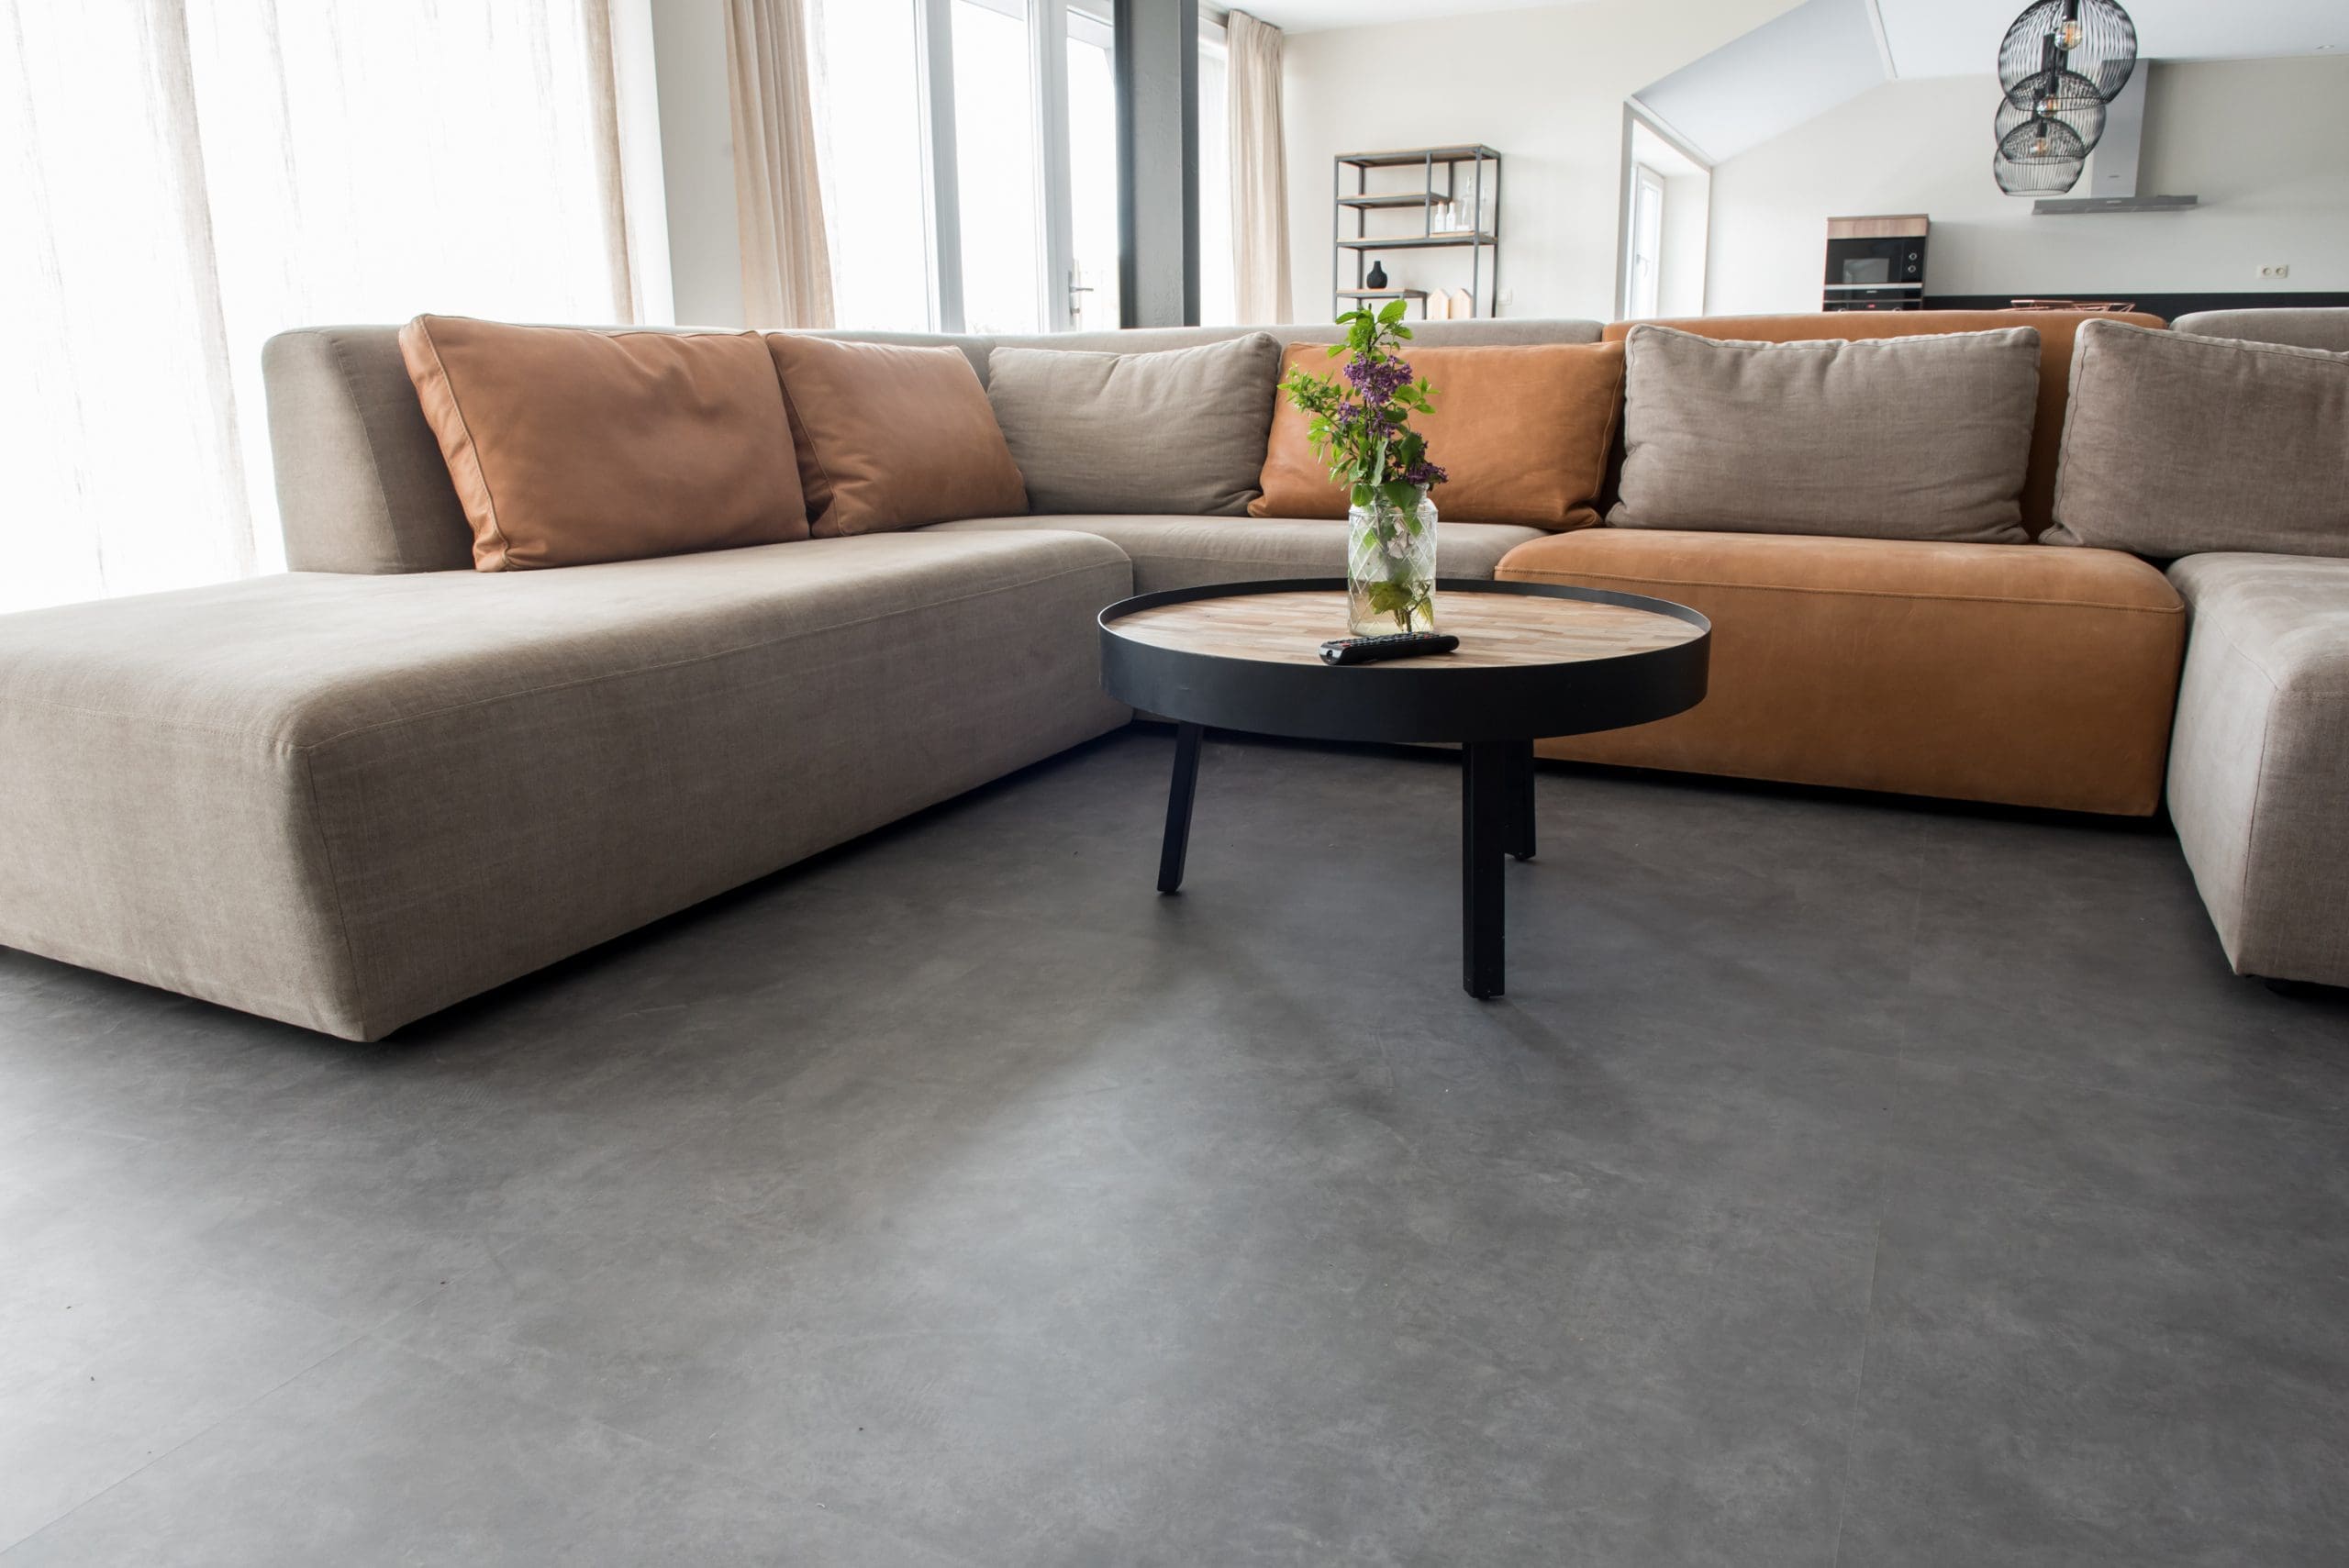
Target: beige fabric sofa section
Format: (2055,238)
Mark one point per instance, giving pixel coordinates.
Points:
(2259,763)
(346,801)
(1194,552)
(2304,327)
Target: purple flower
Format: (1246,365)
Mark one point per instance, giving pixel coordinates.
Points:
(1378,380)
(1424,473)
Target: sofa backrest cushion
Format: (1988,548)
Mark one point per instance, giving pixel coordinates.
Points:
(362,486)
(1524,431)
(2054,328)
(1179,431)
(892,437)
(569,446)
(1890,438)
(2180,444)
(2312,327)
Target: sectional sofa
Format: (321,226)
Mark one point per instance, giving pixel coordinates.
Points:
(348,795)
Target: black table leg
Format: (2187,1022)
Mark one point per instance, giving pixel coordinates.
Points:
(1178,808)
(1520,800)
(1488,771)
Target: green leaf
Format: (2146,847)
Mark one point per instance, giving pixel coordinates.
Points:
(1392,313)
(1402,331)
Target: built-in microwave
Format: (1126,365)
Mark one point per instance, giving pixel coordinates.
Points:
(1876,262)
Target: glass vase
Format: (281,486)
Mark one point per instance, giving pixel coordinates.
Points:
(1390,567)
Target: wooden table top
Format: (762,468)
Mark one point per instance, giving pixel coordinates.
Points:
(1496,630)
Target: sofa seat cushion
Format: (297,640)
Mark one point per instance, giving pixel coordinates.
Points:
(2259,766)
(1192,552)
(1996,673)
(348,801)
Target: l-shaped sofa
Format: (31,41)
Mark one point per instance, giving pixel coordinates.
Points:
(350,795)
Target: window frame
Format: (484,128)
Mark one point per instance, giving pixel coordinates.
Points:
(1051,24)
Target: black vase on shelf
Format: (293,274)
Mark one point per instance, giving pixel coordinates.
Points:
(1377,278)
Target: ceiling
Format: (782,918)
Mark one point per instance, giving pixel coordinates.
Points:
(1960,37)
(1823,52)
(1947,37)
(1318,16)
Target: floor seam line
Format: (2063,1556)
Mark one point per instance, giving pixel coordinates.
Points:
(1860,1383)
(205,1431)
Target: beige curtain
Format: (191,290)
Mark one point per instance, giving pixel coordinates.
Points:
(1259,172)
(779,203)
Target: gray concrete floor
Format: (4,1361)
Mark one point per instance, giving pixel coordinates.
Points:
(1842,1181)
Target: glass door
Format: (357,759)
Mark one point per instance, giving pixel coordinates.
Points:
(1092,269)
(998,164)
(990,128)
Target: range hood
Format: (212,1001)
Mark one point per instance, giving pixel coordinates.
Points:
(2112,170)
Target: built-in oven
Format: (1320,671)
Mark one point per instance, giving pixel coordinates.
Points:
(1876,263)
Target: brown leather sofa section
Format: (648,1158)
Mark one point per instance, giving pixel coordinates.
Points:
(2010,673)
(2055,330)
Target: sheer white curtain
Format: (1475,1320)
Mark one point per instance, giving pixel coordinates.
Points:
(182,178)
(778,202)
(1259,171)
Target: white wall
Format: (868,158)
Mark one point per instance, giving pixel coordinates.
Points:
(2264,143)
(1546,87)
(697,160)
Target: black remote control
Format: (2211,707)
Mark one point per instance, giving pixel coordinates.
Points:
(1393,645)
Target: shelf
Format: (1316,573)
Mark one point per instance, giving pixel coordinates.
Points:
(1398,158)
(1381,293)
(1409,199)
(1438,242)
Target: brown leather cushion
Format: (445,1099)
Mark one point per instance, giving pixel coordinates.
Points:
(2008,672)
(570,446)
(892,437)
(1523,431)
(2055,330)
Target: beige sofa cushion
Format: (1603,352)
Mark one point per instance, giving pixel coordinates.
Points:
(1924,438)
(1192,552)
(2177,445)
(892,437)
(1179,431)
(569,446)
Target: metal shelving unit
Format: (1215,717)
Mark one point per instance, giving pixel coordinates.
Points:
(1484,245)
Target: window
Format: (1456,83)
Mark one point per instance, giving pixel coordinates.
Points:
(969,157)
(1644,265)
(181,184)
(869,147)
(1215,278)
(1092,174)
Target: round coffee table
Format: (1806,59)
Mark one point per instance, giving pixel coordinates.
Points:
(1534,659)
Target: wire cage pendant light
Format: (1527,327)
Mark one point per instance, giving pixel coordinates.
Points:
(2026,135)
(2061,62)
(2065,96)
(2092,39)
(2052,177)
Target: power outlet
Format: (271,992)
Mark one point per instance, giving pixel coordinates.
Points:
(2276,270)
(1508,296)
